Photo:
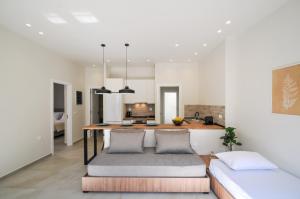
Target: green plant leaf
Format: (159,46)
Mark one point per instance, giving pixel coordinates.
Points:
(230,138)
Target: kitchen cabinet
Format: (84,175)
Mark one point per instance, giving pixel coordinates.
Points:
(144,91)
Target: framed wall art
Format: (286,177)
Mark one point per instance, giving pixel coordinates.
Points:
(286,90)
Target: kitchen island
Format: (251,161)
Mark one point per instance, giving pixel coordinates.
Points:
(204,138)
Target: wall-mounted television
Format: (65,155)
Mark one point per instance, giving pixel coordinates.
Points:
(78,97)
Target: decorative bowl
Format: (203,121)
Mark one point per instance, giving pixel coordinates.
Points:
(178,121)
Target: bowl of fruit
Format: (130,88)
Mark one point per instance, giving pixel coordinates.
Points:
(178,121)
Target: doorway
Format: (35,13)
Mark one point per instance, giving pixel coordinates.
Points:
(96,112)
(61,115)
(169,104)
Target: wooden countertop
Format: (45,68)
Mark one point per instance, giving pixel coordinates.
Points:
(192,125)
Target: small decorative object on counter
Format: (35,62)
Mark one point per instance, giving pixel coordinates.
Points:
(230,138)
(208,120)
(197,116)
(151,123)
(127,122)
(178,121)
(102,124)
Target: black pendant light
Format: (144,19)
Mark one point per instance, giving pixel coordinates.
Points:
(126,89)
(102,89)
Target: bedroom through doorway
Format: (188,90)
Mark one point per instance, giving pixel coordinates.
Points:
(61,115)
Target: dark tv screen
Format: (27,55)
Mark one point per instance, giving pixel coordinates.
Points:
(78,97)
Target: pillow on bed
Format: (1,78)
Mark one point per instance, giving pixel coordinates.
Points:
(173,142)
(126,141)
(58,115)
(245,160)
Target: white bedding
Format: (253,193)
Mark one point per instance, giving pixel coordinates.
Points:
(59,121)
(256,184)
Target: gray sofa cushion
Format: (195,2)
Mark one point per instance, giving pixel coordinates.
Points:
(173,142)
(147,164)
(126,141)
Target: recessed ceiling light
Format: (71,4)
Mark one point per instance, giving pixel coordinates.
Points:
(55,18)
(219,31)
(196,53)
(41,33)
(170,60)
(85,17)
(176,45)
(228,22)
(205,44)
(108,60)
(147,60)
(28,25)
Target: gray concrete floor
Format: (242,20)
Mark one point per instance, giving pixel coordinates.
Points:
(59,176)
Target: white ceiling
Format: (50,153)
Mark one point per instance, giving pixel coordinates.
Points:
(152,27)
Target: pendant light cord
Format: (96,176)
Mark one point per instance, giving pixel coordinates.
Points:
(126,65)
(103,56)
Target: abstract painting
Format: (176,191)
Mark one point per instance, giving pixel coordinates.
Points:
(286,90)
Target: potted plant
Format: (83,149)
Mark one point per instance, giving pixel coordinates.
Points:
(230,138)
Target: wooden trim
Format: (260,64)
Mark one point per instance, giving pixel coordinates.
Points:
(145,184)
(207,158)
(220,191)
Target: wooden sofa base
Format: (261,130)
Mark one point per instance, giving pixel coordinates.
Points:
(220,191)
(145,184)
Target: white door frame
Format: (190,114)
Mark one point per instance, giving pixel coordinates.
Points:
(157,104)
(68,111)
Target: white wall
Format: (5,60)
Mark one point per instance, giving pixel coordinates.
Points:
(134,71)
(212,77)
(185,75)
(25,73)
(250,58)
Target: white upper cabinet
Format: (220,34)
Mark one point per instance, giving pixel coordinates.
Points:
(144,91)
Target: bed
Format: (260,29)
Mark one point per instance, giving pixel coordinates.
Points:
(252,184)
(59,123)
(145,172)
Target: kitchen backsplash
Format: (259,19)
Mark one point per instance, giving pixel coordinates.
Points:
(141,109)
(218,112)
